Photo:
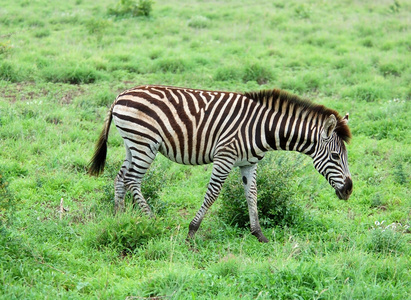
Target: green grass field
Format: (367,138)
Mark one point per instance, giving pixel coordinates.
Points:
(63,63)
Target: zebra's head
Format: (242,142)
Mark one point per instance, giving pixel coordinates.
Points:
(330,159)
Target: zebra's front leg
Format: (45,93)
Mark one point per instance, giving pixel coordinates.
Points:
(249,174)
(221,169)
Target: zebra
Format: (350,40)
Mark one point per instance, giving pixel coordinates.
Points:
(228,129)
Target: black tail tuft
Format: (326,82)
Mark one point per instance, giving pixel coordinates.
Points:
(96,165)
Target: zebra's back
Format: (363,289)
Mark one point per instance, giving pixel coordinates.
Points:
(187,125)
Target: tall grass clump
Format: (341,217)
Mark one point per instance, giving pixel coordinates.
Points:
(258,73)
(9,72)
(97,27)
(368,92)
(228,74)
(395,7)
(153,182)
(387,239)
(131,8)
(172,65)
(6,200)
(72,73)
(125,233)
(168,285)
(277,185)
(5,47)
(12,250)
(198,22)
(105,97)
(391,68)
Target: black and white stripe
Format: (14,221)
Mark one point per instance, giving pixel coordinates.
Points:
(228,129)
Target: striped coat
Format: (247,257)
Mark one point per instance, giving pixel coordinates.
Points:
(228,129)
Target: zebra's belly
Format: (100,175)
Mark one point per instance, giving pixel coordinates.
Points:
(247,162)
(185,157)
(189,158)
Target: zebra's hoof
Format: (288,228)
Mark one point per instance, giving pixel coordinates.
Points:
(260,236)
(190,235)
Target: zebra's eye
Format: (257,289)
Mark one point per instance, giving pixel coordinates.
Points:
(335,156)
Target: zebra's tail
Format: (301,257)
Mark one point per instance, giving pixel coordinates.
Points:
(96,165)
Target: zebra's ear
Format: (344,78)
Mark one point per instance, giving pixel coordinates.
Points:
(329,126)
(345,119)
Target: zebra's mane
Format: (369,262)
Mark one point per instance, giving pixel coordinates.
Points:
(270,97)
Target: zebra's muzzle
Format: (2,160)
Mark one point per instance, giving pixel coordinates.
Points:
(345,192)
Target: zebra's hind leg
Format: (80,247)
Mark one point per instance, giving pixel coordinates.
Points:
(134,185)
(119,186)
(248,174)
(221,169)
(119,190)
(141,159)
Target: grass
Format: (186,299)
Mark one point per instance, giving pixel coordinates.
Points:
(61,66)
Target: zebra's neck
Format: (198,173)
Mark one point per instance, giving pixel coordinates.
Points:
(293,128)
(294,124)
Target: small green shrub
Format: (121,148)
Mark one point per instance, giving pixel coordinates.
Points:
(153,183)
(97,27)
(125,232)
(13,169)
(369,92)
(171,65)
(12,248)
(130,8)
(258,73)
(105,97)
(395,7)
(156,53)
(276,184)
(198,22)
(228,74)
(167,285)
(368,42)
(6,200)
(72,73)
(400,175)
(387,239)
(5,47)
(294,84)
(376,201)
(312,81)
(391,68)
(9,72)
(157,250)
(229,266)
(303,11)
(42,33)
